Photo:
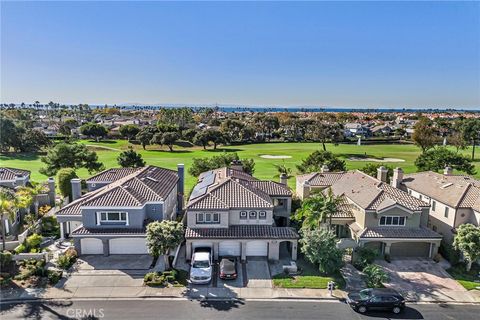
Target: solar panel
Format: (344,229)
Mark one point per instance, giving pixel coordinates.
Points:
(201,188)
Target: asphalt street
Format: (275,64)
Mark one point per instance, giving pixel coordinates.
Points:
(223,310)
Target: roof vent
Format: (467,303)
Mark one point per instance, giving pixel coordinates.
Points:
(152,179)
(446,185)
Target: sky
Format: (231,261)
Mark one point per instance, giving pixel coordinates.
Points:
(340,54)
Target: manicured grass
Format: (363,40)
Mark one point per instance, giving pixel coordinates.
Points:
(264,168)
(466,279)
(309,278)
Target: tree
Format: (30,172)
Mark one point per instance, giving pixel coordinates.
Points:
(8,132)
(65,155)
(30,194)
(457,140)
(317,209)
(424,134)
(217,137)
(467,240)
(315,161)
(324,132)
(233,129)
(200,165)
(130,158)
(145,135)
(375,276)
(439,158)
(94,130)
(282,169)
(371,170)
(202,138)
(64,177)
(33,140)
(129,131)
(470,129)
(319,247)
(163,236)
(189,134)
(169,138)
(8,209)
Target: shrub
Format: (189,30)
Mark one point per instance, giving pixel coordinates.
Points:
(71,253)
(20,249)
(375,276)
(64,184)
(5,259)
(54,276)
(50,227)
(172,277)
(65,261)
(43,210)
(363,257)
(449,252)
(33,242)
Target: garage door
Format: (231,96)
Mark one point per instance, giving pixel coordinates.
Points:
(91,246)
(410,249)
(257,249)
(128,246)
(229,248)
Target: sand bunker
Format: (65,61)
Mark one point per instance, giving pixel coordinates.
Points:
(376,160)
(269,156)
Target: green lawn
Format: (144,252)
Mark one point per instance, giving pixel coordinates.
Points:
(264,169)
(466,279)
(309,278)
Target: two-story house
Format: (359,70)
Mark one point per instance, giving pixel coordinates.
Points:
(453,199)
(375,214)
(235,214)
(112,217)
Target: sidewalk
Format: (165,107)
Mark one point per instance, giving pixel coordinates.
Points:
(211,293)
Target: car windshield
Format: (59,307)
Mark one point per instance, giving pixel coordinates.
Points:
(201,264)
(365,294)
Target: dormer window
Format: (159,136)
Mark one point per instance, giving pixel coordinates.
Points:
(253,215)
(112,217)
(392,221)
(262,215)
(243,215)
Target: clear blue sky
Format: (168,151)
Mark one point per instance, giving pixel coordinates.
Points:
(370,54)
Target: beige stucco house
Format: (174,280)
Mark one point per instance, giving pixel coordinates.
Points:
(374,213)
(453,199)
(236,214)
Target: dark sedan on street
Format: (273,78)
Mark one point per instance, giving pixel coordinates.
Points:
(376,299)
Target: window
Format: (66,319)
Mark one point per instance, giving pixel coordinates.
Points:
(113,217)
(446,212)
(392,221)
(262,215)
(434,204)
(243,215)
(253,215)
(376,299)
(388,299)
(420,197)
(208,218)
(410,192)
(434,228)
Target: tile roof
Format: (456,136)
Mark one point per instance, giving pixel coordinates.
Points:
(458,191)
(242,232)
(146,184)
(81,231)
(399,232)
(227,188)
(318,179)
(112,174)
(370,193)
(7,174)
(344,209)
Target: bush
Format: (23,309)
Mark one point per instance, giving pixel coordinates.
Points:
(33,242)
(21,249)
(50,227)
(5,259)
(43,210)
(375,276)
(449,252)
(54,276)
(172,277)
(66,260)
(64,184)
(364,256)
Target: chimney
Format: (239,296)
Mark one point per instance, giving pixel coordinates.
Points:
(51,191)
(76,188)
(397,177)
(180,186)
(382,174)
(236,165)
(283,179)
(305,190)
(324,168)
(447,171)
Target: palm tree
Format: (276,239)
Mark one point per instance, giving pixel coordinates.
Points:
(282,169)
(8,208)
(317,209)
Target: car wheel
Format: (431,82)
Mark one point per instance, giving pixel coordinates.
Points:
(397,310)
(362,309)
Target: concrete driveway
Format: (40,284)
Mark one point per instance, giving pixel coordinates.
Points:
(258,273)
(115,262)
(413,276)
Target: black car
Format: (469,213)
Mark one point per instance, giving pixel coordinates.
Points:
(376,299)
(228,268)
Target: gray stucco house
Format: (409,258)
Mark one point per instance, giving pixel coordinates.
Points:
(236,214)
(111,218)
(374,213)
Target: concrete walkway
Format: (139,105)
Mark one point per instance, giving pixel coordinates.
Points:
(353,278)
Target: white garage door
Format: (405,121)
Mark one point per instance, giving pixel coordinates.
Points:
(257,248)
(91,246)
(128,246)
(229,248)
